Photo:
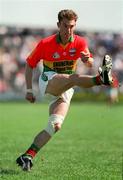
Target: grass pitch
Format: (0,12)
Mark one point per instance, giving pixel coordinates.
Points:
(88,147)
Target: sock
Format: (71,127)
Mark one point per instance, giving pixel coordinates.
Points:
(97,80)
(32,151)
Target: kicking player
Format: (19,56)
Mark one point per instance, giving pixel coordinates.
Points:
(60,53)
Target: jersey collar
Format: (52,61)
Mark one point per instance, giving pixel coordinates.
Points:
(58,38)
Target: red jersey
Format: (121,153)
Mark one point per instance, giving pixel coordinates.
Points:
(57,57)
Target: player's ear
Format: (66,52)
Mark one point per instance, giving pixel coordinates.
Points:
(58,24)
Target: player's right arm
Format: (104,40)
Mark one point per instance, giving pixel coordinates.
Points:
(32,61)
(28,77)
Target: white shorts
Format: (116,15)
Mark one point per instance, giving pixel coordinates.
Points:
(43,82)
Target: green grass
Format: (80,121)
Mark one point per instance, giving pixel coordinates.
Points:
(88,147)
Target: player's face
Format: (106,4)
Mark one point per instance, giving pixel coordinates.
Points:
(66,28)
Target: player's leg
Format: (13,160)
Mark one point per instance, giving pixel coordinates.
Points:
(62,82)
(57,112)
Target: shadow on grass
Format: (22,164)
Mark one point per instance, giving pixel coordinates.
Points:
(8,172)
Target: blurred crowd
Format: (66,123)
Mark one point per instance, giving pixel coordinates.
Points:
(16,43)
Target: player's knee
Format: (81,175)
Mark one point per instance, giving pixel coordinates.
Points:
(54,124)
(57,126)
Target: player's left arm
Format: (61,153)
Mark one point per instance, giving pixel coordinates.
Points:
(86,57)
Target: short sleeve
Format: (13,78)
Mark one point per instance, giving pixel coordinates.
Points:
(36,55)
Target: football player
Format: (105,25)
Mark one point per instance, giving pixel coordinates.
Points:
(60,53)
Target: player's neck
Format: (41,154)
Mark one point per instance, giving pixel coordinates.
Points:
(64,40)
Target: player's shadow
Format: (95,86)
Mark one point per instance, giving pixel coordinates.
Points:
(8,172)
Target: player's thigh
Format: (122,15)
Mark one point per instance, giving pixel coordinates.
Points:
(59,107)
(58,84)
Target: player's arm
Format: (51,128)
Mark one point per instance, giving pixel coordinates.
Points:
(32,61)
(28,77)
(85,55)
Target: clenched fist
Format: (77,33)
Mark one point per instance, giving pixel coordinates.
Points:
(30,97)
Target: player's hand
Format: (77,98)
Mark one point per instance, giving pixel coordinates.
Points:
(30,97)
(87,59)
(84,57)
